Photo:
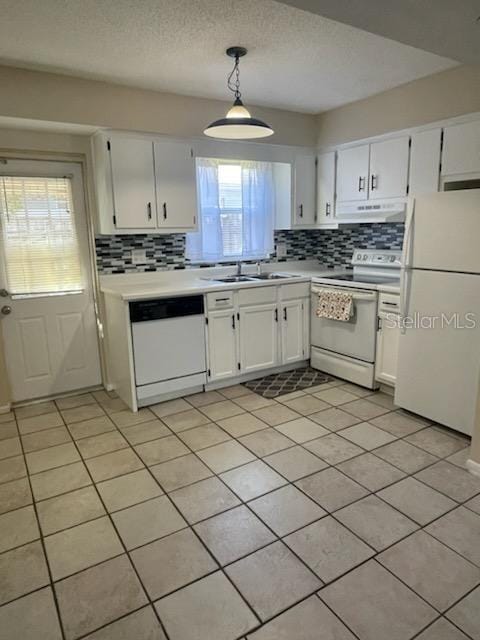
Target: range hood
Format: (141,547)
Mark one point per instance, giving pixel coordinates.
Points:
(387,211)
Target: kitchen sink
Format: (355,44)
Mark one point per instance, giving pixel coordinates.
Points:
(253,277)
(233,279)
(273,276)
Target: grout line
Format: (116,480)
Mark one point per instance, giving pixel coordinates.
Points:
(242,502)
(47,562)
(112,522)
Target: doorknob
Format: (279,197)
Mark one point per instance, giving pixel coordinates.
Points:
(3,293)
(6,310)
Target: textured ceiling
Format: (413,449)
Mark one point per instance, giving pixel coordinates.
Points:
(445,27)
(296,60)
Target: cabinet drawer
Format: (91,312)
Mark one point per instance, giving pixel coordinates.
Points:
(259,295)
(295,291)
(389,303)
(220,300)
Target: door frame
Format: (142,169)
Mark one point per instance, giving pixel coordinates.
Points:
(85,162)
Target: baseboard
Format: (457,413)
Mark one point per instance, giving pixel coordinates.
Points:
(228,382)
(5,408)
(473,467)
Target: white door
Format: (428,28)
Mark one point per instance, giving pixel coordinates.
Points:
(461,148)
(50,332)
(304,190)
(293,335)
(325,187)
(439,352)
(352,173)
(258,337)
(389,168)
(388,335)
(425,161)
(222,344)
(133,181)
(176,185)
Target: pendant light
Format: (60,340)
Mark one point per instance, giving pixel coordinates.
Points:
(238,124)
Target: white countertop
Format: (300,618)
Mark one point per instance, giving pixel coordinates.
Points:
(160,284)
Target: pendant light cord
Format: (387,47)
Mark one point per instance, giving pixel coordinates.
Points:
(234,85)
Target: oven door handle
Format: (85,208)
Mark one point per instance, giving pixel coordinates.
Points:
(355,296)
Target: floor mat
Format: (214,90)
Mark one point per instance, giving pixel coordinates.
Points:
(278,384)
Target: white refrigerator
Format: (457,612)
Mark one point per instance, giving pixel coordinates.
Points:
(439,345)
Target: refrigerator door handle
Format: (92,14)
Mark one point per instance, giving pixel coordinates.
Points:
(405,277)
(408,235)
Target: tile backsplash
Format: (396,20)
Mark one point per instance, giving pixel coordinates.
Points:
(331,246)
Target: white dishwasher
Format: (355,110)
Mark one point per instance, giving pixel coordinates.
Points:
(168,337)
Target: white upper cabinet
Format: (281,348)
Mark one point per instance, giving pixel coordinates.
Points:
(389,168)
(461,149)
(425,161)
(143,184)
(352,173)
(133,183)
(176,185)
(325,188)
(304,213)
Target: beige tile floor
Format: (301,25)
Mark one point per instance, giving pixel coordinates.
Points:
(327,514)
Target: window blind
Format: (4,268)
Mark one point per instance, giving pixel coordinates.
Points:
(39,237)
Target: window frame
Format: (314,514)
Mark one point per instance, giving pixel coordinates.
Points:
(17,168)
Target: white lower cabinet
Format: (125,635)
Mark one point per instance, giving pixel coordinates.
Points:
(261,329)
(222,344)
(258,337)
(388,334)
(292,331)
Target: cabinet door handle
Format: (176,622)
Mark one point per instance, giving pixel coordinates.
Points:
(284,313)
(327,209)
(373,182)
(301,211)
(276,315)
(359,183)
(164,210)
(149,210)
(233,321)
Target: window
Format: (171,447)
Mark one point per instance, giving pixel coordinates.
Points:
(236,211)
(39,238)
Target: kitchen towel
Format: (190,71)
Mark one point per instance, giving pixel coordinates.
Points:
(334,305)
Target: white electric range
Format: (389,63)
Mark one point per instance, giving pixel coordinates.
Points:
(347,349)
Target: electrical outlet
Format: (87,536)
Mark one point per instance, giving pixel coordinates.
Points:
(281,250)
(139,256)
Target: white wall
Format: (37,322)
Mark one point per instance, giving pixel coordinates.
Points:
(52,97)
(442,95)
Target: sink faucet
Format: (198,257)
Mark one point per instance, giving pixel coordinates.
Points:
(239,268)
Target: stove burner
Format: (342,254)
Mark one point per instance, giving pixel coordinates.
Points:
(351,277)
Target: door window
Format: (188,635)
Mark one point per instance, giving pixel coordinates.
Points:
(40,244)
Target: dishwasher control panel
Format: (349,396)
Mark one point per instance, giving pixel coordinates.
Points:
(163,308)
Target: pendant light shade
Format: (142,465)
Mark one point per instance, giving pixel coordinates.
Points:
(238,124)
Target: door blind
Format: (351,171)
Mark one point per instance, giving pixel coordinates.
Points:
(39,237)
